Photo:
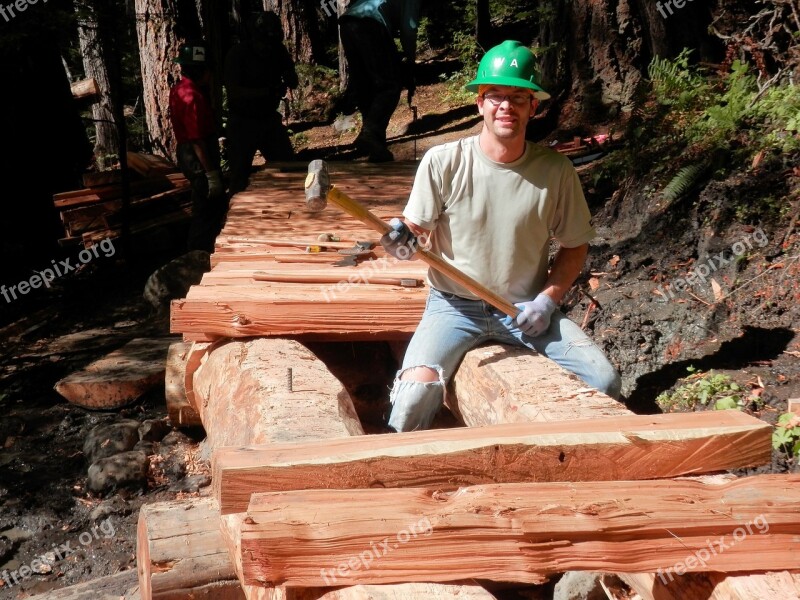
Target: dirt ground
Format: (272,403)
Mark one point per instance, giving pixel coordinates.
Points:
(743,325)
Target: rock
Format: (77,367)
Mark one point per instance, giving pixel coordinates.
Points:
(345,123)
(7,548)
(175,278)
(579,585)
(153,430)
(107,440)
(113,506)
(148,448)
(173,438)
(128,469)
(193,483)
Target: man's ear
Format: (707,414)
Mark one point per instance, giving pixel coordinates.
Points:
(479,101)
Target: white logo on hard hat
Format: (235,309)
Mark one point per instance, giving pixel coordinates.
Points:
(498,62)
(198,54)
(514,63)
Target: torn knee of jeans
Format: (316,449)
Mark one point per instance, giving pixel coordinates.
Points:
(435,368)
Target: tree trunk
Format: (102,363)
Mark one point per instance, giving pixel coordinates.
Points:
(156,29)
(602,65)
(299,19)
(93,51)
(341,6)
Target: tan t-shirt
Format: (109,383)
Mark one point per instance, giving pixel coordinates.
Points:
(493,220)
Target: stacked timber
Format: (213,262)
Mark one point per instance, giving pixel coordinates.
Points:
(272,276)
(159,195)
(549,476)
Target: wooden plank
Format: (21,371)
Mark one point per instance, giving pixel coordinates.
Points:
(273,208)
(323,313)
(118,378)
(142,187)
(493,386)
(516,532)
(628,448)
(180,553)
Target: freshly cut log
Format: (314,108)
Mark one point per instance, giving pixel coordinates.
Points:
(244,395)
(627,448)
(85,90)
(180,553)
(715,586)
(180,411)
(400,591)
(504,384)
(118,378)
(518,532)
(493,385)
(230,530)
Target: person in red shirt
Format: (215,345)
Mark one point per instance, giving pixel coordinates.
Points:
(198,147)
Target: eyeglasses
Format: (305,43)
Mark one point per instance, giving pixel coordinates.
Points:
(497,98)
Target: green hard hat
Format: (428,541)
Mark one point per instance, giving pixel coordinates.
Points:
(509,63)
(191,54)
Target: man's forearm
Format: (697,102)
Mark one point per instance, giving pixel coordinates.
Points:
(567,266)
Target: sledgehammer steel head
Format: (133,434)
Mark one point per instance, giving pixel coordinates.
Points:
(317,185)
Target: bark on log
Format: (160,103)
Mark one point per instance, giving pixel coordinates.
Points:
(85,89)
(620,448)
(517,532)
(180,411)
(180,553)
(503,384)
(243,395)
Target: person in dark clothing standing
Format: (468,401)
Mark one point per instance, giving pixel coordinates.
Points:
(377,71)
(258,72)
(198,146)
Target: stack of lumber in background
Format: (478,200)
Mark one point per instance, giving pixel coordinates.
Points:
(159,195)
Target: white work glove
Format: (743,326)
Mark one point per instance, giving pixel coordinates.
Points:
(400,242)
(534,316)
(215,186)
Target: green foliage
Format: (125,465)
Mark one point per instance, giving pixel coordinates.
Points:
(677,85)
(706,389)
(786,436)
(683,181)
(468,51)
(778,114)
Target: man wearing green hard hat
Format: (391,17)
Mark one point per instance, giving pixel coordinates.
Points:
(490,205)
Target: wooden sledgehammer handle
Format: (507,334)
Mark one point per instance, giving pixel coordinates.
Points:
(358,211)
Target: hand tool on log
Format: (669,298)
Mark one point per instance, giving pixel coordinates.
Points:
(317,278)
(296,243)
(319,191)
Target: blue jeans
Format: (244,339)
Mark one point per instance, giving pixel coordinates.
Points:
(451,325)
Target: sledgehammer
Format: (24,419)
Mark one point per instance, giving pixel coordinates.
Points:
(319,191)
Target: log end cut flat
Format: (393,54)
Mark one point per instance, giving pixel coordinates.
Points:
(118,378)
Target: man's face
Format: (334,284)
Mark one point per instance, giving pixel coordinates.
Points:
(506,110)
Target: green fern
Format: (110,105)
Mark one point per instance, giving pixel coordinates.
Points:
(683,181)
